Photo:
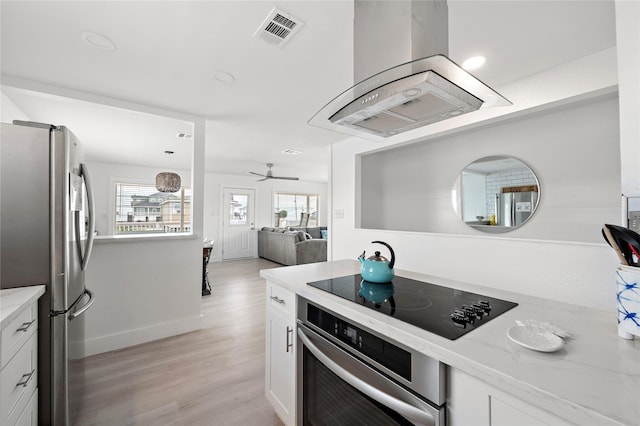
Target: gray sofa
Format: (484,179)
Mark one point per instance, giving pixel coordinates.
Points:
(292,246)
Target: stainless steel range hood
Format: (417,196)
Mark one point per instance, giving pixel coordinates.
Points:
(425,88)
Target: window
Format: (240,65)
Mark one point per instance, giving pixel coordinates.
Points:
(288,209)
(238,209)
(141,209)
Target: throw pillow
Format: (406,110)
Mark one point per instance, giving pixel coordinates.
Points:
(314,232)
(324,233)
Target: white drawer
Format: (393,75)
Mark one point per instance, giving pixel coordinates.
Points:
(281,299)
(18,381)
(29,416)
(18,331)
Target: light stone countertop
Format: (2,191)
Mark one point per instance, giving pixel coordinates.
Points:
(593,380)
(12,301)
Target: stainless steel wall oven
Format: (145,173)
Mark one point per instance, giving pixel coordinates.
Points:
(348,374)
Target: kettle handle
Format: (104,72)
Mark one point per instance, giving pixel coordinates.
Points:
(393,255)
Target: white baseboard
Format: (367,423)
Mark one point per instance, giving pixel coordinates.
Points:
(98,345)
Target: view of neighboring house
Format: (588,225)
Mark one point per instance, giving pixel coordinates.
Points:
(147,208)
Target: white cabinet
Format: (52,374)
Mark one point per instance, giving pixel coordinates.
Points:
(19,374)
(475,403)
(280,358)
(29,416)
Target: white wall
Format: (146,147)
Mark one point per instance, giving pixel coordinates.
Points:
(580,273)
(214,183)
(105,175)
(145,290)
(9,111)
(628,45)
(573,150)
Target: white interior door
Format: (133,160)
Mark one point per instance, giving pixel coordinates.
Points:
(239,235)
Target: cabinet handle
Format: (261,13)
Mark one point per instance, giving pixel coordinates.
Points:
(24,380)
(26,325)
(289,340)
(277,300)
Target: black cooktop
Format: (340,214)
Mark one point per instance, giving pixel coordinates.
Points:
(445,311)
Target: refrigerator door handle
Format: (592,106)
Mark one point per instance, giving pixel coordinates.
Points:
(92,219)
(76,313)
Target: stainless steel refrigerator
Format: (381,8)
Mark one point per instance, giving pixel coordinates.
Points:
(46,236)
(514,208)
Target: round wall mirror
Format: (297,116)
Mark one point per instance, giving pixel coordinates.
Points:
(496,194)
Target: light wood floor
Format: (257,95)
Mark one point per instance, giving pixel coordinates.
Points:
(214,376)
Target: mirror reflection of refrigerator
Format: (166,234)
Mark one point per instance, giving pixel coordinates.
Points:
(514,208)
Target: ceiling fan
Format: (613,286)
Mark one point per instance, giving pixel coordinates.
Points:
(270,175)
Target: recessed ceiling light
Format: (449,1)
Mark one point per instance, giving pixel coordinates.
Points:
(224,77)
(473,63)
(184,135)
(292,152)
(98,41)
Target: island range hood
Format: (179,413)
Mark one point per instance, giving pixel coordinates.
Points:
(405,78)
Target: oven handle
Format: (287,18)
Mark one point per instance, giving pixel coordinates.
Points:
(408,411)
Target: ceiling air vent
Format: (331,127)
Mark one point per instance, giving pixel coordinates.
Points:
(278,28)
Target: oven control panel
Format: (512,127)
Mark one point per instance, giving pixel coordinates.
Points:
(387,354)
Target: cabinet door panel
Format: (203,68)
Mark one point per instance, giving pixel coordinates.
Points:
(29,416)
(503,414)
(508,411)
(18,331)
(18,381)
(467,400)
(471,402)
(280,374)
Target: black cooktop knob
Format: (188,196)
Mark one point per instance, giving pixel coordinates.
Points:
(470,313)
(459,318)
(478,309)
(485,305)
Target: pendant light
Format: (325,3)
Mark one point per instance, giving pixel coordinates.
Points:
(168,181)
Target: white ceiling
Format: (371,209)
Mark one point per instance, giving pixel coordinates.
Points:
(168,53)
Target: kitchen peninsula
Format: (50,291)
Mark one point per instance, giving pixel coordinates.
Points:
(593,380)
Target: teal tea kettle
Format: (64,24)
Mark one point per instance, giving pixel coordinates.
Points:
(376,268)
